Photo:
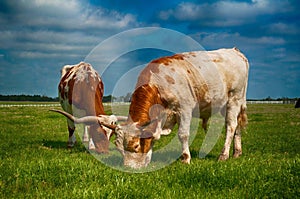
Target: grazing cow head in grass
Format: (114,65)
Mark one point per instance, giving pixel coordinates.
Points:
(136,137)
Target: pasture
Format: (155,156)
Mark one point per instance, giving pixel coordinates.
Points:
(35,162)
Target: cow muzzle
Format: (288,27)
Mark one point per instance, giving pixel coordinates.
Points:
(137,160)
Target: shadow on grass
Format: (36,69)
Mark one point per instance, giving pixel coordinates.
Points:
(55,144)
(209,156)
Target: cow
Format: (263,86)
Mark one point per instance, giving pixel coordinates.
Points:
(81,88)
(170,89)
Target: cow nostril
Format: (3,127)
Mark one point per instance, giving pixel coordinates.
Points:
(136,147)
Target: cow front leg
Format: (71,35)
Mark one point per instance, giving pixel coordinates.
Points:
(85,137)
(72,137)
(184,134)
(101,143)
(91,145)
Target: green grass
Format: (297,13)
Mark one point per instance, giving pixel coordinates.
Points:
(35,163)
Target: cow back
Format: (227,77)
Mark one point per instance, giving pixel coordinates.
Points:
(81,87)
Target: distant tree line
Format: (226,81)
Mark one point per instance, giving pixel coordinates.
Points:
(275,99)
(32,98)
(110,98)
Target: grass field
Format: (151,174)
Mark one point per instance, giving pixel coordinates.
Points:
(35,162)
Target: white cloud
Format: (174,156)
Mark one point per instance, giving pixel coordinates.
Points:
(235,39)
(71,4)
(40,27)
(283,28)
(47,44)
(72,15)
(224,13)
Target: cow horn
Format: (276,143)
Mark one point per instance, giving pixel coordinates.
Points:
(122,118)
(88,120)
(110,126)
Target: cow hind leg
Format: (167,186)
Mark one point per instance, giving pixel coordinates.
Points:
(242,122)
(233,110)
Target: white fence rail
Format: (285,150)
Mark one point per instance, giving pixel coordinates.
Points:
(29,105)
(266,102)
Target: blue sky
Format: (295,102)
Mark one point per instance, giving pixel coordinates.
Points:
(38,37)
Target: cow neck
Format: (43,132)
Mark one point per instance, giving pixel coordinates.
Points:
(143,100)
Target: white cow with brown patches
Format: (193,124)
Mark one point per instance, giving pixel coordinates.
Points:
(170,89)
(81,88)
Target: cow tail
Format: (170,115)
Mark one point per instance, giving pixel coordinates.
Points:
(243,118)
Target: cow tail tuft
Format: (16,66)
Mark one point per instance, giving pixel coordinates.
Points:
(243,118)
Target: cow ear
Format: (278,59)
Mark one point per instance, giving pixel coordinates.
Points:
(158,130)
(153,129)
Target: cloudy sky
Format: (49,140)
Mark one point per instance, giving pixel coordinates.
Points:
(38,37)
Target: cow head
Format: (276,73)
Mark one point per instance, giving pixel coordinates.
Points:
(135,142)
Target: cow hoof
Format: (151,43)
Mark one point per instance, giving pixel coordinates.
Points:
(70,144)
(223,157)
(185,158)
(91,148)
(91,145)
(237,154)
(85,140)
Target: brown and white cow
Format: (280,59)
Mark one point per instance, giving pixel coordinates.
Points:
(80,92)
(169,89)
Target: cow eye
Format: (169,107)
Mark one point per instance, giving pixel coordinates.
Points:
(136,148)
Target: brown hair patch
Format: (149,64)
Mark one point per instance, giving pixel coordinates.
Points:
(143,98)
(168,59)
(169,79)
